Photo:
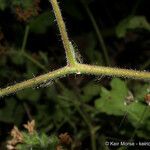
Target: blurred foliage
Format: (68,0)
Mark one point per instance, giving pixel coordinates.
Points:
(132,23)
(111,108)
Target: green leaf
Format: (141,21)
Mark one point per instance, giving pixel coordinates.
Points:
(138,113)
(51,92)
(53,142)
(41,23)
(89,91)
(31,139)
(112,102)
(38,142)
(141,91)
(131,23)
(92,53)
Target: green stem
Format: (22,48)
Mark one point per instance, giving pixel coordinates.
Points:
(35,81)
(70,54)
(72,66)
(98,33)
(109,71)
(25,38)
(77,69)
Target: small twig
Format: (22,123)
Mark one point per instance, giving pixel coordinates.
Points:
(64,36)
(25,38)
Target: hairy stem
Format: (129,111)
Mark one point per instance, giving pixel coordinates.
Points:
(72,66)
(64,36)
(35,81)
(77,69)
(108,71)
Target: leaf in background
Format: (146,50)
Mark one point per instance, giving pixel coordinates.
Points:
(138,113)
(23,4)
(29,94)
(17,58)
(131,23)
(141,91)
(3,4)
(93,54)
(43,111)
(142,134)
(51,92)
(139,116)
(41,23)
(89,91)
(31,69)
(112,102)
(68,94)
(65,104)
(9,114)
(3,61)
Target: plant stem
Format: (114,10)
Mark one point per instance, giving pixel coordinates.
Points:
(98,33)
(108,71)
(35,81)
(25,38)
(77,69)
(72,66)
(64,36)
